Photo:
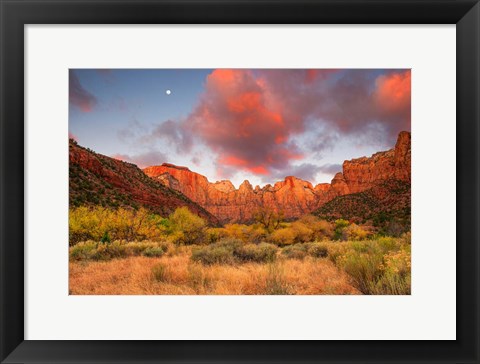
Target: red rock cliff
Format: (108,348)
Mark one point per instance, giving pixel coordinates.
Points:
(95,179)
(363,173)
(293,196)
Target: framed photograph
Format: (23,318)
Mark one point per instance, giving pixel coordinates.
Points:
(240,181)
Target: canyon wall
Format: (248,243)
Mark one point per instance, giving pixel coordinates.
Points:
(293,196)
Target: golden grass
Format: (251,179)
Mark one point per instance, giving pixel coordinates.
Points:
(178,275)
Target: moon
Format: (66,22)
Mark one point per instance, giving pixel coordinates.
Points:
(168,92)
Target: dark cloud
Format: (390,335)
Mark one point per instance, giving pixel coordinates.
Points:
(359,103)
(125,134)
(174,133)
(78,96)
(196,160)
(330,168)
(133,130)
(305,171)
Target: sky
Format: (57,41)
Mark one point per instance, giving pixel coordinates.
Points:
(259,125)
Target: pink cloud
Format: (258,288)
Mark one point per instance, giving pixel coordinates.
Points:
(392,97)
(240,121)
(250,118)
(314,74)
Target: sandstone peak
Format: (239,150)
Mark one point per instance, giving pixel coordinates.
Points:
(404,137)
(246,185)
(224,186)
(338,176)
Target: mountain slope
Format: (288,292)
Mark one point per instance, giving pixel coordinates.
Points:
(385,205)
(95,179)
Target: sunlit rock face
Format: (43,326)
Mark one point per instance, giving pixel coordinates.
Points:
(363,173)
(292,196)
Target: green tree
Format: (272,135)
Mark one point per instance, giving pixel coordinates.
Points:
(105,238)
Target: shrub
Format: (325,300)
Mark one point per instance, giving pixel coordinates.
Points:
(138,248)
(317,250)
(261,253)
(340,226)
(284,236)
(354,232)
(362,247)
(103,224)
(160,272)
(91,250)
(297,251)
(188,226)
(231,251)
(336,250)
(406,238)
(256,234)
(396,277)
(398,262)
(213,255)
(218,253)
(229,243)
(83,251)
(387,244)
(379,266)
(322,230)
(110,251)
(177,237)
(153,252)
(212,235)
(302,232)
(239,231)
(392,284)
(364,268)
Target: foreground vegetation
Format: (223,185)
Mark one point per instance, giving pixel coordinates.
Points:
(179,275)
(182,255)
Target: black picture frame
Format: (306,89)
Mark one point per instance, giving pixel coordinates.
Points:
(15,14)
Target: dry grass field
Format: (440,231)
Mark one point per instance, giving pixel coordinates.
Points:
(178,275)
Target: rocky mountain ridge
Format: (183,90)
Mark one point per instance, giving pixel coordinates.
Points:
(293,196)
(95,179)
